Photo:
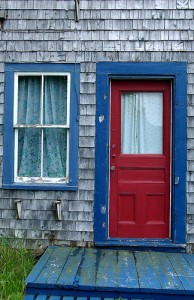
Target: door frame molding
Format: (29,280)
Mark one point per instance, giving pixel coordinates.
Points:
(177,72)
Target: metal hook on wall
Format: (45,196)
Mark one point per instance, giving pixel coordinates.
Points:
(77,10)
(58,209)
(3,17)
(18,209)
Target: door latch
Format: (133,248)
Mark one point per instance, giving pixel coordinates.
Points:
(112,168)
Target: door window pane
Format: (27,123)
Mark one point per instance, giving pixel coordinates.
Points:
(141,123)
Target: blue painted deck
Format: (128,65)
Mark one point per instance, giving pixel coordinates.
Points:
(64,273)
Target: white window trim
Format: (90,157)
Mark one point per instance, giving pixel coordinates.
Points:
(41,180)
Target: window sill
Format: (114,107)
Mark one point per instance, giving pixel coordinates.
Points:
(41,186)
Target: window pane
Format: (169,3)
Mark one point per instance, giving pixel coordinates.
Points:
(55,152)
(29,95)
(55,100)
(141,128)
(29,152)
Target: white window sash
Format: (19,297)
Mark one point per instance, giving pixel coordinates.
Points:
(16,126)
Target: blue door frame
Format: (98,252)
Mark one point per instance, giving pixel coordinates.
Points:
(177,73)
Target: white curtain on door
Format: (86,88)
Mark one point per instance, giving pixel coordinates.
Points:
(141,125)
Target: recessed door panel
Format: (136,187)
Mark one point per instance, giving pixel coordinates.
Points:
(126,208)
(156,209)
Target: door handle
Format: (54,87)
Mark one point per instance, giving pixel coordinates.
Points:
(112,168)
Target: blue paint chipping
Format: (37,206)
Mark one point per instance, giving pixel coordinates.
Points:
(115,274)
(8,159)
(176,72)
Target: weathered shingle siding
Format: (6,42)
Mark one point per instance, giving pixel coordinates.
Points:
(114,30)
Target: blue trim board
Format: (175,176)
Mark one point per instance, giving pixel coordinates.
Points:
(177,72)
(8,159)
(62,294)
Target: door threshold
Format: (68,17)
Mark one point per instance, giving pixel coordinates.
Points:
(163,245)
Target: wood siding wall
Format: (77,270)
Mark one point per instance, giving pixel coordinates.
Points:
(108,30)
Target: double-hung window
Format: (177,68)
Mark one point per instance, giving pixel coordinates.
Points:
(41,130)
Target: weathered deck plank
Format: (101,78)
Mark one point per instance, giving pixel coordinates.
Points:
(103,274)
(107,269)
(51,272)
(41,297)
(183,270)
(166,273)
(126,270)
(67,276)
(87,276)
(40,264)
(146,272)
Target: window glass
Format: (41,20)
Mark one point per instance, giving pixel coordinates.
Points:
(29,99)
(29,152)
(142,119)
(54,152)
(41,129)
(55,100)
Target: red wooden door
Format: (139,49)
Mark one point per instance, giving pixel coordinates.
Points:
(139,205)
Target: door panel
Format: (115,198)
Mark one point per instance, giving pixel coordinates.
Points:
(139,205)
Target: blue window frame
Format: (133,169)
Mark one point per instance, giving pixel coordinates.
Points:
(176,72)
(41,126)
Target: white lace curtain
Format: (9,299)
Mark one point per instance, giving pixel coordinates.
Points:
(141,127)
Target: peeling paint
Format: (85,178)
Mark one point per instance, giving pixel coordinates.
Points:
(42,180)
(103,209)
(101,118)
